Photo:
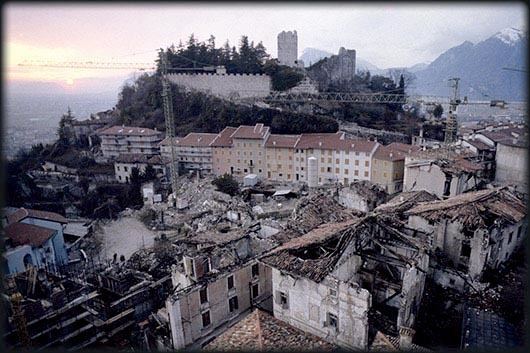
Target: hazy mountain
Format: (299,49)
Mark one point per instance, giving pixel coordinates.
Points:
(312,55)
(480,68)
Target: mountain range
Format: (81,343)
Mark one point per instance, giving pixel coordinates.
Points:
(479,66)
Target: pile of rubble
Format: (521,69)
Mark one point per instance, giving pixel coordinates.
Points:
(317,208)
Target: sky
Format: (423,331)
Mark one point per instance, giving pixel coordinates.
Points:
(385,34)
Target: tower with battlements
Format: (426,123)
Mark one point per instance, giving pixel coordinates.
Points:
(288,48)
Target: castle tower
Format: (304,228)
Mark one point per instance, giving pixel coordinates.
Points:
(288,48)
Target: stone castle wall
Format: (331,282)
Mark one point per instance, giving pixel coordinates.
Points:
(225,85)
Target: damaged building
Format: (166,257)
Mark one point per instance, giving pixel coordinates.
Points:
(471,232)
(80,310)
(329,281)
(443,172)
(216,282)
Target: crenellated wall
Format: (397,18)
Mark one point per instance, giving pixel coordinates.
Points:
(225,85)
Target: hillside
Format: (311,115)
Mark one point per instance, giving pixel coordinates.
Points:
(141,105)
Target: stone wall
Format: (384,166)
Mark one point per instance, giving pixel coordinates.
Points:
(225,85)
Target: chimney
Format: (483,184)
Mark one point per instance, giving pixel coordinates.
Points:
(405,337)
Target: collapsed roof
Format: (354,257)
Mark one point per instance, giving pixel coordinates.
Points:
(475,209)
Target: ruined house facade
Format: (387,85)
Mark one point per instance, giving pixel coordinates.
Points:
(213,288)
(471,232)
(441,172)
(327,281)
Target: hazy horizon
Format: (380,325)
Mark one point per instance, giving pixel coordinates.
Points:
(384,34)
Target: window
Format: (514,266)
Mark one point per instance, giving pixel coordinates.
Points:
(245,170)
(346,181)
(233,304)
(466,249)
(337,161)
(322,169)
(337,170)
(230,282)
(332,321)
(119,177)
(269,174)
(255,270)
(356,173)
(125,168)
(332,292)
(203,294)
(519,231)
(356,153)
(259,170)
(321,161)
(329,154)
(346,171)
(206,319)
(347,161)
(356,162)
(329,160)
(283,299)
(510,237)
(118,168)
(452,281)
(366,174)
(366,163)
(255,291)
(329,169)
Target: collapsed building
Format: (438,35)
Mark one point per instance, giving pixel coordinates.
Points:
(216,282)
(328,281)
(443,172)
(96,306)
(471,232)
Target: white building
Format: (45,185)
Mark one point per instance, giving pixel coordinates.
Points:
(34,238)
(511,163)
(193,152)
(124,164)
(125,139)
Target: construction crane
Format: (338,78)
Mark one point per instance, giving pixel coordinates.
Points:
(169,118)
(98,65)
(451,122)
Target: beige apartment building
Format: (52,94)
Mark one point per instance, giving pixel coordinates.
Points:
(388,165)
(222,152)
(279,152)
(248,150)
(127,139)
(193,152)
(338,159)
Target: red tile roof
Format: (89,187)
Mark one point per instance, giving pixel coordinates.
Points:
(323,141)
(128,130)
(334,141)
(193,139)
(282,141)
(28,234)
(403,147)
(224,138)
(22,213)
(258,131)
(262,331)
(387,154)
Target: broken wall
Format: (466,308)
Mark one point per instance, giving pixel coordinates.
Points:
(309,305)
(186,310)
